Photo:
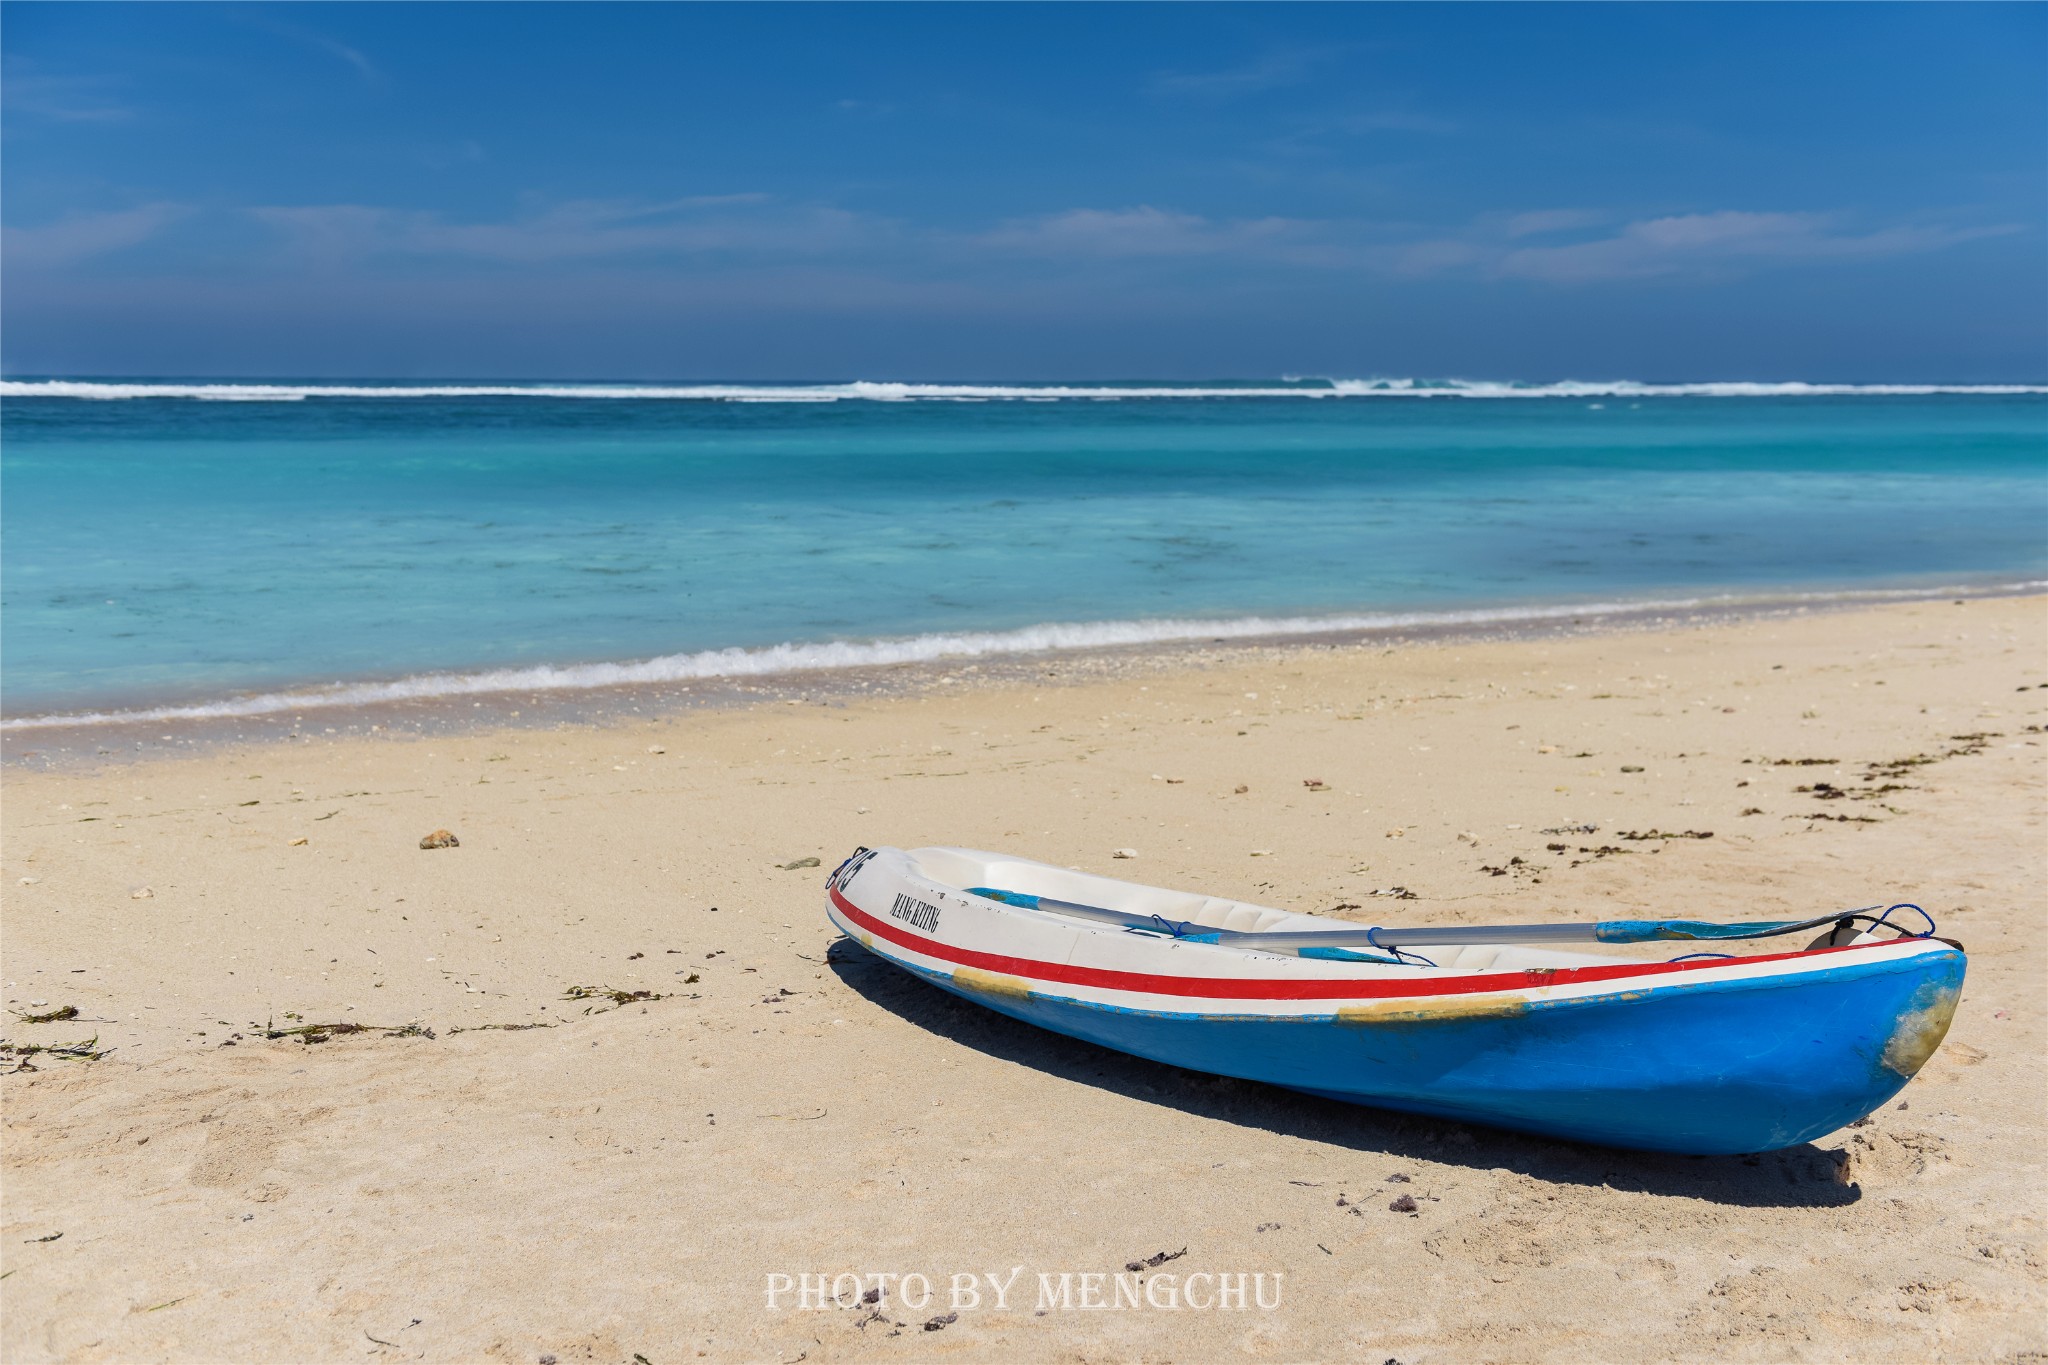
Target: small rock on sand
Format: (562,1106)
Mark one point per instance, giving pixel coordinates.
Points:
(140,893)
(299,842)
(1124,853)
(656,749)
(1404,1204)
(440,838)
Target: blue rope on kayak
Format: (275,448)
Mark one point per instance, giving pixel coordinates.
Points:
(1400,955)
(1886,919)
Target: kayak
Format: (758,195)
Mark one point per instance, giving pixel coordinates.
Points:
(1703,1053)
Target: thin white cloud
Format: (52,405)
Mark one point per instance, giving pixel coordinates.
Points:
(1390,121)
(1282,67)
(757,232)
(343,52)
(63,99)
(348,56)
(79,236)
(1140,231)
(1524,246)
(582,229)
(1544,222)
(1717,242)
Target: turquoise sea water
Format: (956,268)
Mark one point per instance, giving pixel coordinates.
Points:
(161,549)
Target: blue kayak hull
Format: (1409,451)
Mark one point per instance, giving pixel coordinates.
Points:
(1699,1068)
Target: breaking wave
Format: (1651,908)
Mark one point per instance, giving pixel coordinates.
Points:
(834,655)
(876,392)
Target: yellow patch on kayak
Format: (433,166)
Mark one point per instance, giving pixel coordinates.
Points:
(1435,1010)
(1920,1031)
(991,983)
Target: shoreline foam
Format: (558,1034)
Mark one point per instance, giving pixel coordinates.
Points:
(1048,638)
(56,742)
(899,392)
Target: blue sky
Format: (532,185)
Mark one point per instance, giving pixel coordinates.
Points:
(987,191)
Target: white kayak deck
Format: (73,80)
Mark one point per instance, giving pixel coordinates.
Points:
(965,869)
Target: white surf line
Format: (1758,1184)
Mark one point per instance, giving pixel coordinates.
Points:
(884,392)
(837,655)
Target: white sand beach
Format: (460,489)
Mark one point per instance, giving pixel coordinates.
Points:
(530,1177)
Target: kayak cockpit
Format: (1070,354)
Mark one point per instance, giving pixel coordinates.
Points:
(1056,891)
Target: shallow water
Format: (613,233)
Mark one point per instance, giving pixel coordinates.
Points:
(161,550)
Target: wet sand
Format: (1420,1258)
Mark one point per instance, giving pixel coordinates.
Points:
(592,1179)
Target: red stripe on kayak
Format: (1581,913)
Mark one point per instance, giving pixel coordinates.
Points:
(1246,988)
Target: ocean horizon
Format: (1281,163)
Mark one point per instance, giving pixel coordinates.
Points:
(183,548)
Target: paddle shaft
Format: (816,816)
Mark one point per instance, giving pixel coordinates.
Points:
(1607,931)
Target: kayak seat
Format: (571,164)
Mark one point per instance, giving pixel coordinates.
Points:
(1212,912)
(1476,957)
